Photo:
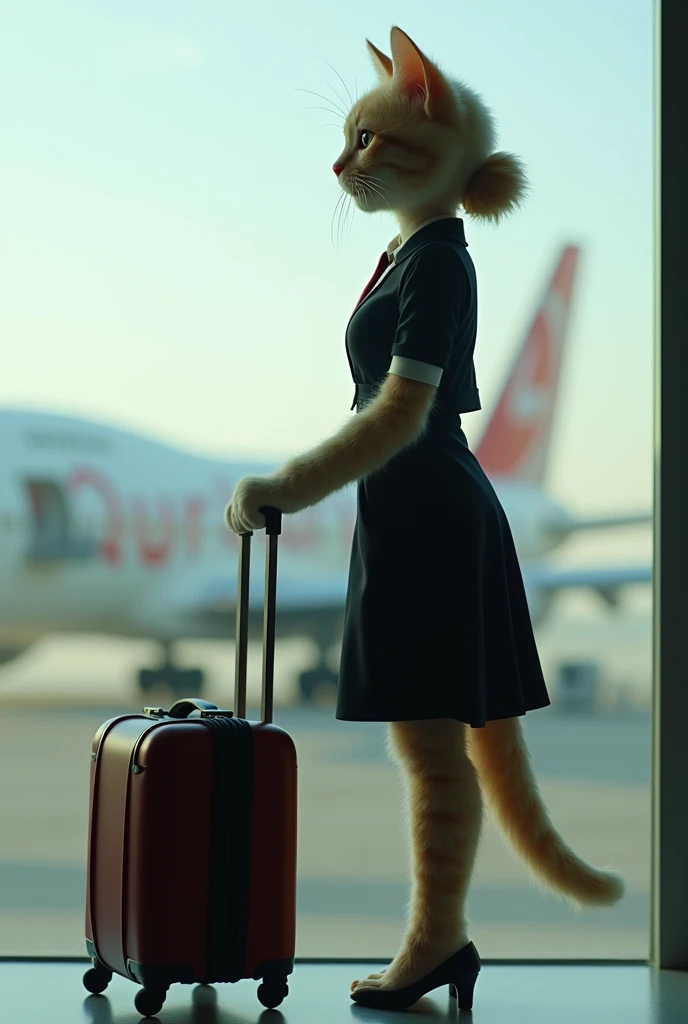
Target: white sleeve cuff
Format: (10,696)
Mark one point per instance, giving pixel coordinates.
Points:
(415,370)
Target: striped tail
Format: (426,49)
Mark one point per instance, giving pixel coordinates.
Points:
(502,759)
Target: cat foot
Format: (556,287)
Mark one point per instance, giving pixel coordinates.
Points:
(414,961)
(459,971)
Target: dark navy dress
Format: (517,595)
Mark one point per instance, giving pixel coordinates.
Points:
(436,623)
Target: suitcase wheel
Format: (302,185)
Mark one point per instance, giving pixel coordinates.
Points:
(149,1001)
(97,980)
(271,993)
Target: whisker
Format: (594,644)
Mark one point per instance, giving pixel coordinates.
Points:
(382,192)
(345,210)
(339,223)
(337,94)
(334,214)
(343,83)
(326,98)
(376,190)
(365,189)
(330,125)
(352,208)
(332,221)
(371,189)
(329,111)
(342,223)
(378,181)
(385,201)
(336,226)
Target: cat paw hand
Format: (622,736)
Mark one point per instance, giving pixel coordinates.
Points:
(250,494)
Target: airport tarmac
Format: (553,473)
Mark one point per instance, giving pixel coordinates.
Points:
(593,768)
(95,671)
(353,867)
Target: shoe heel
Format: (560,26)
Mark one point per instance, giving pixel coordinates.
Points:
(463,991)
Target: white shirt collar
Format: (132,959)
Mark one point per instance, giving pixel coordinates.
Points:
(396,244)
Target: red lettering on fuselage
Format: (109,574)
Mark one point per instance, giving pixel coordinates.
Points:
(151,552)
(178,524)
(193,515)
(111,545)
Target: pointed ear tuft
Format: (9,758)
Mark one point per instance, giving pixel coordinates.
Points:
(416,75)
(497,188)
(381,62)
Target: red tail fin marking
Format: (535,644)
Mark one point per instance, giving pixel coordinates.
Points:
(517,439)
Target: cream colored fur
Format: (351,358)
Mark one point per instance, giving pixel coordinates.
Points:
(500,754)
(432,150)
(431,153)
(448,770)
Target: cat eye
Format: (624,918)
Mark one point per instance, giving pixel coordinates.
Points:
(365,137)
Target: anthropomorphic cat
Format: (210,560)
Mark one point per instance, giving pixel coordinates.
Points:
(422,145)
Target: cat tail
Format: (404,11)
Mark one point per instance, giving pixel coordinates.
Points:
(497,188)
(502,759)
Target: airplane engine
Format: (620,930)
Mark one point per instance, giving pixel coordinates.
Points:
(539,603)
(8,654)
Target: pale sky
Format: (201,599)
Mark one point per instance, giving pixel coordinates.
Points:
(166,204)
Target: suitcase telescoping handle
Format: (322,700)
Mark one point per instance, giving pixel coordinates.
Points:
(273,528)
(190,705)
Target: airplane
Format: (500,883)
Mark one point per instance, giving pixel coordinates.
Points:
(105,531)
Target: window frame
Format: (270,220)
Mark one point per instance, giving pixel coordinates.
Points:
(669,756)
(669,879)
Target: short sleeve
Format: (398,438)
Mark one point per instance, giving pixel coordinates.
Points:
(432,299)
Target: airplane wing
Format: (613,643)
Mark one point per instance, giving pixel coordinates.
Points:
(602,522)
(292,594)
(606,581)
(206,608)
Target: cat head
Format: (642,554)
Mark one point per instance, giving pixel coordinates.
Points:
(421,141)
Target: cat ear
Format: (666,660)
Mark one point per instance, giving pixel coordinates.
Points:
(415,75)
(382,63)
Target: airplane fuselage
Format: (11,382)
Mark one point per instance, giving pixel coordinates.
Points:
(104,531)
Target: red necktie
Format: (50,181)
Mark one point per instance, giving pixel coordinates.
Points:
(382,265)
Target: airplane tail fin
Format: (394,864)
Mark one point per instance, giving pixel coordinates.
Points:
(501,757)
(516,442)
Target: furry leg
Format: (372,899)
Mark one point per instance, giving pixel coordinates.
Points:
(445,824)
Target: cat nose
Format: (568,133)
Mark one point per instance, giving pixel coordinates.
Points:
(338,168)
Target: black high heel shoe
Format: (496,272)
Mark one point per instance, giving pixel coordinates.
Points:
(460,972)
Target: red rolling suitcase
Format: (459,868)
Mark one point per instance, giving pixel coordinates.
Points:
(192,835)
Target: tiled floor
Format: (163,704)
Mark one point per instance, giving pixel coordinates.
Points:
(52,993)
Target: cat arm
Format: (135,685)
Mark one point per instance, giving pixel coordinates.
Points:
(394,419)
